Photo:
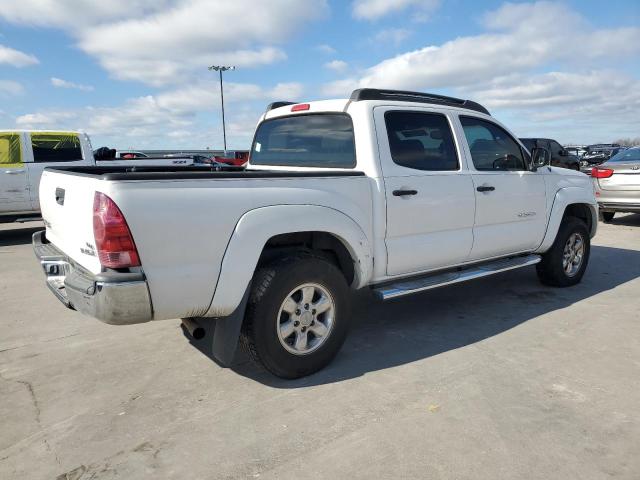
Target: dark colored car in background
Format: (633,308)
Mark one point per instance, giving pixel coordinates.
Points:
(560,157)
(576,150)
(598,154)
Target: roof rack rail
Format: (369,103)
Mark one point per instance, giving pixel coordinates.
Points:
(273,105)
(404,96)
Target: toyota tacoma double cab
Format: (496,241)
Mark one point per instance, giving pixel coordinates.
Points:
(394,191)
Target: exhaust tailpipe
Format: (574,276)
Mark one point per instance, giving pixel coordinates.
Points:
(196,330)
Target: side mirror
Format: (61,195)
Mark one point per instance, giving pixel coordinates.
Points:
(564,153)
(539,157)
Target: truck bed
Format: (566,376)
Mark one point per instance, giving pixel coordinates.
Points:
(182,220)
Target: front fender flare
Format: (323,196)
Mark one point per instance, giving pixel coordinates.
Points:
(257,226)
(564,197)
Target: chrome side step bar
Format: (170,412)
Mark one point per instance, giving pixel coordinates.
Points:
(403,287)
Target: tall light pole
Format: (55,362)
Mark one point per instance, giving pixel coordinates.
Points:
(220,69)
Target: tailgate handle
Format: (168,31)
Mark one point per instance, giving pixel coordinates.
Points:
(60,196)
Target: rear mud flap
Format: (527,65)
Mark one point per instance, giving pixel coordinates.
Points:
(227,333)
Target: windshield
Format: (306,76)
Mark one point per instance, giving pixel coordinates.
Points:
(631,155)
(314,140)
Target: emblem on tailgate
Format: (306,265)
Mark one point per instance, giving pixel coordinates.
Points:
(89,250)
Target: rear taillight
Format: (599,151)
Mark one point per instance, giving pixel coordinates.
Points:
(114,242)
(601,172)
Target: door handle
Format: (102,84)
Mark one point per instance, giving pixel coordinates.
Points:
(485,188)
(14,172)
(402,193)
(60,196)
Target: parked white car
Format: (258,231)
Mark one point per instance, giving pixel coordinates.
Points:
(398,192)
(24,154)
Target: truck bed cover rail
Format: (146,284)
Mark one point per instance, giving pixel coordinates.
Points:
(189,173)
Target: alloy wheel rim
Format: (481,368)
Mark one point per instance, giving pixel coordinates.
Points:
(305,318)
(573,254)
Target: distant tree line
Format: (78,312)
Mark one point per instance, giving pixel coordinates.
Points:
(628,142)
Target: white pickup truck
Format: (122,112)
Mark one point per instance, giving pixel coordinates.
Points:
(24,154)
(394,191)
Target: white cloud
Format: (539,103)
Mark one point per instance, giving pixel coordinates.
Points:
(16,58)
(60,83)
(37,120)
(570,99)
(163,42)
(375,9)
(9,88)
(340,88)
(336,65)
(572,108)
(326,49)
(504,68)
(521,39)
(76,14)
(288,91)
(172,114)
(394,36)
(205,96)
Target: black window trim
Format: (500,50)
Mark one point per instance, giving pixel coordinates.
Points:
(425,112)
(33,153)
(527,163)
(19,135)
(306,114)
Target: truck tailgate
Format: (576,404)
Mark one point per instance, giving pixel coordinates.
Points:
(66,201)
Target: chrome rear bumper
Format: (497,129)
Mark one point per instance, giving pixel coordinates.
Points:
(619,207)
(112,297)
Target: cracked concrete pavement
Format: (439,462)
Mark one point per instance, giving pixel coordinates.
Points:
(499,378)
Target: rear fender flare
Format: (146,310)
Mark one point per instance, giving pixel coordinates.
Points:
(257,226)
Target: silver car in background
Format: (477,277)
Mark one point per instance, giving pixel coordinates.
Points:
(617,183)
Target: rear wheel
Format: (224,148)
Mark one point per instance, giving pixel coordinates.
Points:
(564,264)
(607,216)
(298,315)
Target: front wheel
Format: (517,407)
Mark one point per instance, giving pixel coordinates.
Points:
(298,315)
(564,264)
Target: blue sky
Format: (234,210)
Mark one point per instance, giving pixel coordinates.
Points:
(132,73)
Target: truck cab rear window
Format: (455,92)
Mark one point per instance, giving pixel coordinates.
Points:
(56,147)
(314,140)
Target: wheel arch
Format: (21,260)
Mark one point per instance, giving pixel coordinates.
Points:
(263,233)
(570,201)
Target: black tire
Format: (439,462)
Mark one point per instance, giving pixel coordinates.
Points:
(607,216)
(272,284)
(550,269)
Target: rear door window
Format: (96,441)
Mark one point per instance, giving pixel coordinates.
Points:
(422,141)
(311,140)
(55,147)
